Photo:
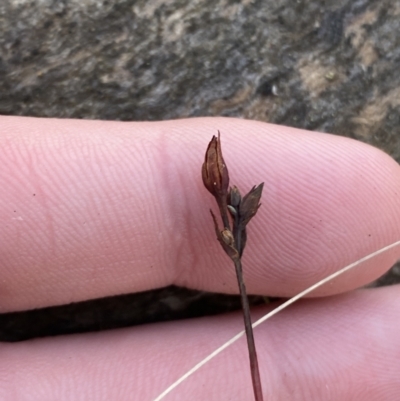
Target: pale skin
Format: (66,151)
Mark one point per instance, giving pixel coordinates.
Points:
(90,209)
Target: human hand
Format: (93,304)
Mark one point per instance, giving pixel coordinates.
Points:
(93,208)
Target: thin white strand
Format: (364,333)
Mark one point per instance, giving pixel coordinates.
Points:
(272,313)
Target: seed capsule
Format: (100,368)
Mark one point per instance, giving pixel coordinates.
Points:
(214,171)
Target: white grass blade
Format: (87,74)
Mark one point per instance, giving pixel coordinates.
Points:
(272,313)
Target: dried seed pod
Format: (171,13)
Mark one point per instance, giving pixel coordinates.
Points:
(226,239)
(214,171)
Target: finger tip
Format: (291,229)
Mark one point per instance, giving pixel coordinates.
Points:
(327,202)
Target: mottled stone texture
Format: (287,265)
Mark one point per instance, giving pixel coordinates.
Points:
(316,64)
(321,65)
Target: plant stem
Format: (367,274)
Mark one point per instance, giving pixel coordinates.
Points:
(223,209)
(254,369)
(255,372)
(237,234)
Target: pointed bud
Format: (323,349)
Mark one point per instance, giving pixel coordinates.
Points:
(234,197)
(214,171)
(232,210)
(250,204)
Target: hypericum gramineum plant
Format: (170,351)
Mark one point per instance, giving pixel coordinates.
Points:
(233,236)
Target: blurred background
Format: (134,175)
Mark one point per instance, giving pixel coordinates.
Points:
(320,65)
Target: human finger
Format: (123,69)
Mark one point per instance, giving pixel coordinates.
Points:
(93,208)
(343,347)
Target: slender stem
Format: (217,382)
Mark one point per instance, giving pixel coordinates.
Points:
(237,233)
(255,372)
(254,369)
(223,209)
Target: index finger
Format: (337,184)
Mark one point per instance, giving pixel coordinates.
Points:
(94,208)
